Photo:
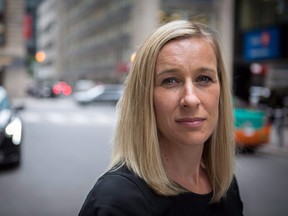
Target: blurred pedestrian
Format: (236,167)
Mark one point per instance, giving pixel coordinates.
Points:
(174,144)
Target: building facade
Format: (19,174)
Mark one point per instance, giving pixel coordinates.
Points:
(95,39)
(13,75)
(261,49)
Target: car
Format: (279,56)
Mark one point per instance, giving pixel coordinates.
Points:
(11,131)
(99,93)
(84,85)
(252,126)
(40,89)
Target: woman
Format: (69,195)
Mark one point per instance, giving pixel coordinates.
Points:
(174,144)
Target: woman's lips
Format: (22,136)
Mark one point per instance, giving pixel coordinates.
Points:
(191,122)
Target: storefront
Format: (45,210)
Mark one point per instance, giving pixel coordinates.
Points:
(261,49)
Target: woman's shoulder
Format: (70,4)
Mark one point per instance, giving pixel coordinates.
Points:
(232,200)
(120,191)
(234,187)
(119,183)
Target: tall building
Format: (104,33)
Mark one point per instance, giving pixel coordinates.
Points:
(13,74)
(95,39)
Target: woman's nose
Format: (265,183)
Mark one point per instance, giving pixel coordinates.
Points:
(189,97)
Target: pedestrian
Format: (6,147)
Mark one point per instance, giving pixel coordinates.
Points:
(174,144)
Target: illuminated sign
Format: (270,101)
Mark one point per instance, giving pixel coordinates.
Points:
(262,44)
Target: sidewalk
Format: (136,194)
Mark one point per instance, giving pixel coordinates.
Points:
(274,147)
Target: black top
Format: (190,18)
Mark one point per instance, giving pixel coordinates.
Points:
(121,192)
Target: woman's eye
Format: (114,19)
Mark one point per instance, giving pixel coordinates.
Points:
(204,79)
(169,81)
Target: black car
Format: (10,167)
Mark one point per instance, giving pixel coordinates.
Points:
(10,131)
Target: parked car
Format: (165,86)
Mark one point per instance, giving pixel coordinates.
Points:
(99,93)
(11,130)
(252,126)
(41,89)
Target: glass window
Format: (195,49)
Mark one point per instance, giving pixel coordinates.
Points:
(259,13)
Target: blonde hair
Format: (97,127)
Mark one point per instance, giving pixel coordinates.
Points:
(136,140)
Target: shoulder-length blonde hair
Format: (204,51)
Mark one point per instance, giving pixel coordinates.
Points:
(136,141)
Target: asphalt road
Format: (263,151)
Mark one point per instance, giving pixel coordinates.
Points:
(66,148)
(263,182)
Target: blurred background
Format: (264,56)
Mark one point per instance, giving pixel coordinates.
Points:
(62,66)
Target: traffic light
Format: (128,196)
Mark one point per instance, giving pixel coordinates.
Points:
(40,56)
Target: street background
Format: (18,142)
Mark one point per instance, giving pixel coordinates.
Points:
(51,49)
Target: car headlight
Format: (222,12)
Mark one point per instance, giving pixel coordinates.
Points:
(14,130)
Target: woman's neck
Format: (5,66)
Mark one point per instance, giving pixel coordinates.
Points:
(183,166)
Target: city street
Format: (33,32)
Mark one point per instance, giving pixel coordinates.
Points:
(66,148)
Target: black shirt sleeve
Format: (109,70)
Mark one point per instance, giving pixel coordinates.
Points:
(115,195)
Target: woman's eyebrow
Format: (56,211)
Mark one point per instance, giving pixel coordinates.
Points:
(167,71)
(207,69)
(174,70)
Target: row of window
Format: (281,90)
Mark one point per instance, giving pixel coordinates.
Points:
(95,40)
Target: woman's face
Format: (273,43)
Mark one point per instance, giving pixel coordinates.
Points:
(186,92)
